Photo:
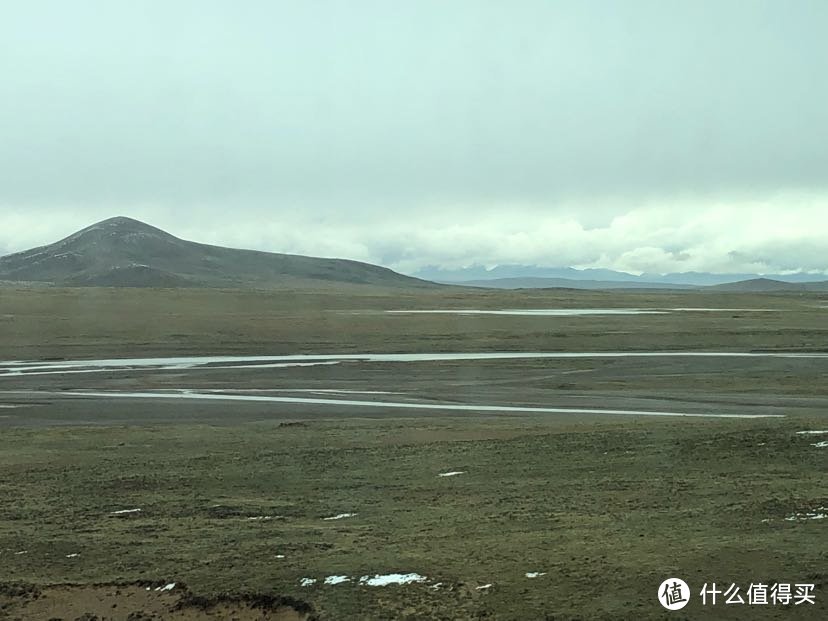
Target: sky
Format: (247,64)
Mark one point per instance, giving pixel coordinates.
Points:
(645,136)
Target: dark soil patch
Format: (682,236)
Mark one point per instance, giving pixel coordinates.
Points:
(142,601)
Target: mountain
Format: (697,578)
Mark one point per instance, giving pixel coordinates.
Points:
(567,283)
(506,276)
(122,252)
(769,285)
(479,272)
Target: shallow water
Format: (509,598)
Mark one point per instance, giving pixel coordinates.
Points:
(22,368)
(575,312)
(725,310)
(539,312)
(388,404)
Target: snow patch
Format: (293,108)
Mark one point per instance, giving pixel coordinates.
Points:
(306,582)
(453,473)
(337,579)
(817,432)
(535,574)
(166,587)
(125,511)
(340,516)
(808,515)
(264,518)
(388,579)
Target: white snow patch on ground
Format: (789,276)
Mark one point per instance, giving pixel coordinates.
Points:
(75,555)
(484,587)
(125,511)
(808,515)
(340,516)
(337,579)
(280,556)
(166,587)
(8,406)
(535,574)
(816,432)
(22,552)
(306,582)
(263,518)
(388,579)
(453,473)
(823,444)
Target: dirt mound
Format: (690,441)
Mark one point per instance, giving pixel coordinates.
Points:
(142,602)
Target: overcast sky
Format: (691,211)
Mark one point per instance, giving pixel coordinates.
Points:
(654,136)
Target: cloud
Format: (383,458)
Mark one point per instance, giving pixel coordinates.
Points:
(637,135)
(777,233)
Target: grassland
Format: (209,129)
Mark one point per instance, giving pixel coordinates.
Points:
(88,322)
(605,507)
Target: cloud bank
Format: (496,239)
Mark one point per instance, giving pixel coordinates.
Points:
(639,135)
(720,236)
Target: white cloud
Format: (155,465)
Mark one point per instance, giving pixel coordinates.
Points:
(786,232)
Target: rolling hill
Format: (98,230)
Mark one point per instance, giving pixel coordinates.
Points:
(122,252)
(769,285)
(534,277)
(751,285)
(564,283)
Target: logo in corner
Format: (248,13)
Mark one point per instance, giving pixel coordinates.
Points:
(674,594)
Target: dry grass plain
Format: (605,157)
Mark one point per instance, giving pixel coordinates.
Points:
(605,507)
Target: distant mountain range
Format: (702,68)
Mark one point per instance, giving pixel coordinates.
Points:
(122,252)
(534,277)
